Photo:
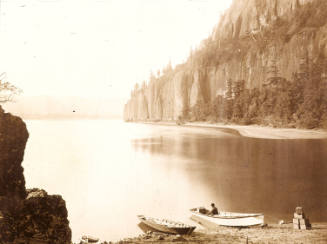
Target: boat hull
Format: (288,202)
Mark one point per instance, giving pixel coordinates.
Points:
(148,224)
(226,219)
(89,239)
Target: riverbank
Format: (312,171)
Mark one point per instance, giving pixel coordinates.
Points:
(271,234)
(254,131)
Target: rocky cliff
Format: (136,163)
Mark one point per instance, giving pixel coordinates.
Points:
(13,137)
(255,40)
(25,214)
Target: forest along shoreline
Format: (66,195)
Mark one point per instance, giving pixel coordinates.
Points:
(253,131)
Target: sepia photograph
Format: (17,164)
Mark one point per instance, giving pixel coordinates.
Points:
(163,121)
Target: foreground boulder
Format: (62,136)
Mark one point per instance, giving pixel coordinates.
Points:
(44,217)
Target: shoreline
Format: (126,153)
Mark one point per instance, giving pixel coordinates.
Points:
(251,131)
(273,233)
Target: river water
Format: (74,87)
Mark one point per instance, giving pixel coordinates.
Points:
(110,171)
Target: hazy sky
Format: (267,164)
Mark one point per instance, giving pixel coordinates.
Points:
(98,48)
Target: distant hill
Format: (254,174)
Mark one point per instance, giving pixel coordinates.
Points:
(44,107)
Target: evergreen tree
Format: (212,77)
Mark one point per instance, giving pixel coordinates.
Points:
(323,105)
(282,111)
(322,69)
(228,100)
(217,110)
(309,110)
(253,107)
(239,100)
(201,110)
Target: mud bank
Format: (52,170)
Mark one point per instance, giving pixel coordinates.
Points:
(253,131)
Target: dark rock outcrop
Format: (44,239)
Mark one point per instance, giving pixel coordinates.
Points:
(25,214)
(44,217)
(13,138)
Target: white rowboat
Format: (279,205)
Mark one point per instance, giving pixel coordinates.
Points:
(227,219)
(89,239)
(166,226)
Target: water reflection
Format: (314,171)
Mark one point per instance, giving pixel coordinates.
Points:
(246,174)
(109,171)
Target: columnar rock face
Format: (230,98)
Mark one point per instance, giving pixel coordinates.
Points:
(254,41)
(25,214)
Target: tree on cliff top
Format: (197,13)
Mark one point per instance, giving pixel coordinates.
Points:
(7,90)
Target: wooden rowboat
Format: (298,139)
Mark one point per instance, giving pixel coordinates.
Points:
(89,239)
(166,226)
(227,219)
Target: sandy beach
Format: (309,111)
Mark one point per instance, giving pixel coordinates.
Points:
(271,234)
(255,131)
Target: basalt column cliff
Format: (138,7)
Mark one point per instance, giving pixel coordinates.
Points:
(264,62)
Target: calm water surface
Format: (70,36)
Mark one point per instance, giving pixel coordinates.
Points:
(110,171)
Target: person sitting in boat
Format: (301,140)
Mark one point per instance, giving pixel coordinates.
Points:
(214,210)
